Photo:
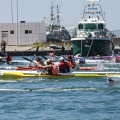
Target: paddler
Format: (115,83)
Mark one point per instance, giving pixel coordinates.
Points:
(70,62)
(39,61)
(8,58)
(79,59)
(53,57)
(63,66)
(50,68)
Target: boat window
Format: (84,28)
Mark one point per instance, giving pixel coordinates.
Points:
(100,26)
(90,26)
(80,26)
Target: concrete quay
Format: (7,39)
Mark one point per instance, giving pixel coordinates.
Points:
(29,51)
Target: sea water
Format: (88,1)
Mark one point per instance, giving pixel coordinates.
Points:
(59,99)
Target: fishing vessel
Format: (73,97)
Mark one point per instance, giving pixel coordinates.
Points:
(92,37)
(54,31)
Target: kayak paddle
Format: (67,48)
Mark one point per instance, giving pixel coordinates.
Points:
(34,56)
(28,59)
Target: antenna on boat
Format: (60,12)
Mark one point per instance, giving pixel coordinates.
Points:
(52,16)
(93,9)
(92,1)
(58,16)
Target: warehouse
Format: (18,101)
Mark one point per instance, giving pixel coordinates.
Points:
(23,33)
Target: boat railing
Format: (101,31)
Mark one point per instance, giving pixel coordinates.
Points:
(93,34)
(116,33)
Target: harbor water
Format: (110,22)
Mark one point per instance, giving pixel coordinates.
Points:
(56,99)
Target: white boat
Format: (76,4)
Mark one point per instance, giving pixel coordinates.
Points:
(56,32)
(92,37)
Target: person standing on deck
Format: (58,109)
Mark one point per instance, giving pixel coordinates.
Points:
(3,45)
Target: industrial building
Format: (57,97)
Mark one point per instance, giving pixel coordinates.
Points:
(23,33)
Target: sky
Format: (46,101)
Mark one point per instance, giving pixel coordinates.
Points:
(71,11)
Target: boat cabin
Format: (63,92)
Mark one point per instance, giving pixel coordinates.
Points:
(91,28)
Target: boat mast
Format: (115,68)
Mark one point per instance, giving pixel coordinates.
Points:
(52,18)
(55,19)
(92,9)
(58,17)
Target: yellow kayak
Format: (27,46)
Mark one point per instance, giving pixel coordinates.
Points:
(21,74)
(95,75)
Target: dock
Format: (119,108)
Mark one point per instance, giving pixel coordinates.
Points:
(28,51)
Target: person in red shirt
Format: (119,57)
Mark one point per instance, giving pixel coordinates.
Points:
(71,62)
(63,66)
(8,58)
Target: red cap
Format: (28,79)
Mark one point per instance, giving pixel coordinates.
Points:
(69,57)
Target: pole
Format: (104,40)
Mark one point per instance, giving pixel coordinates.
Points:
(12,10)
(17,21)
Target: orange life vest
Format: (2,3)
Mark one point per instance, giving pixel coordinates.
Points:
(71,64)
(54,70)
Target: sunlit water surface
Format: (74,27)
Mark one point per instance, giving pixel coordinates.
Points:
(59,99)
